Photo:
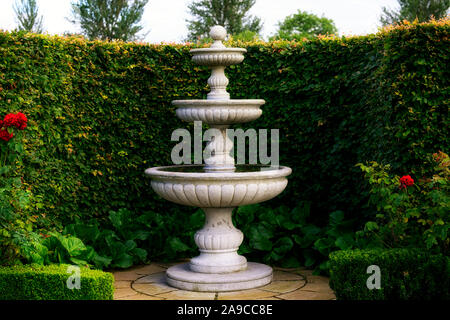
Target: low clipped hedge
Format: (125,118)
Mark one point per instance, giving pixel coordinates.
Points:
(406,274)
(50,283)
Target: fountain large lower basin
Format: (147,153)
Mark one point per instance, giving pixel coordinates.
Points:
(191,186)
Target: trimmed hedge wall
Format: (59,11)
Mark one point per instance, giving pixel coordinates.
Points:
(406,274)
(100,113)
(50,283)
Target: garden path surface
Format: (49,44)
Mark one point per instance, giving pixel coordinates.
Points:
(148,283)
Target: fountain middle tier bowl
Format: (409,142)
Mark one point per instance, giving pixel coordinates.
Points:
(218,56)
(219,112)
(190,185)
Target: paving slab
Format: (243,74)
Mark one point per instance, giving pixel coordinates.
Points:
(122,284)
(159,277)
(152,288)
(124,292)
(283,275)
(318,284)
(139,296)
(307,295)
(251,294)
(284,286)
(149,269)
(125,275)
(188,295)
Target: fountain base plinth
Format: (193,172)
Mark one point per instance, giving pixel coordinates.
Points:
(182,277)
(218,262)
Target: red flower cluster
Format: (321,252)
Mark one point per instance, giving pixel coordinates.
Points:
(406,181)
(18,120)
(5,135)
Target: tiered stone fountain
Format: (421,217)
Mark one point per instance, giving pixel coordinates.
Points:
(218,186)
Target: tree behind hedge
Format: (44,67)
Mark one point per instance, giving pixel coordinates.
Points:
(411,10)
(304,25)
(27,14)
(231,14)
(109,19)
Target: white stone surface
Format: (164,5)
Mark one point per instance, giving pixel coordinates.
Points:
(218,242)
(217,58)
(216,187)
(218,33)
(182,277)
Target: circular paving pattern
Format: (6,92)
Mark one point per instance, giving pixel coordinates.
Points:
(149,283)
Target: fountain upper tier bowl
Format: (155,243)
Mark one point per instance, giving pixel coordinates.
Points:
(219,112)
(191,185)
(220,56)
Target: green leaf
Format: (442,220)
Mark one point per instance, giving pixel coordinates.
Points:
(116,219)
(74,246)
(123,261)
(101,261)
(336,217)
(283,245)
(140,235)
(177,245)
(344,243)
(371,226)
(140,253)
(4,170)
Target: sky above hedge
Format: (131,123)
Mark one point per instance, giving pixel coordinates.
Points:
(165,19)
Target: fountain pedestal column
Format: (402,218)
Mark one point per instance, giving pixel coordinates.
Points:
(218,242)
(219,267)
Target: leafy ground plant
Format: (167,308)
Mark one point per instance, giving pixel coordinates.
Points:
(284,237)
(412,211)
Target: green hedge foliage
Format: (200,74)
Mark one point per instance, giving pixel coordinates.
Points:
(100,113)
(406,274)
(50,283)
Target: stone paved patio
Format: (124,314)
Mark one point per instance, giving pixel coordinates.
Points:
(148,283)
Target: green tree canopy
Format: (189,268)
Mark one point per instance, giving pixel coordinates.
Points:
(109,19)
(231,14)
(304,25)
(27,14)
(411,10)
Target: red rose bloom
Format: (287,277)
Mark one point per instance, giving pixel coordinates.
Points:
(9,120)
(18,120)
(21,120)
(406,181)
(5,135)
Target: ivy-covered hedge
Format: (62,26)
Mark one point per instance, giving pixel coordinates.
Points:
(406,274)
(100,113)
(50,283)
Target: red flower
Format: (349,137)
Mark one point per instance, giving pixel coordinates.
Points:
(18,120)
(406,181)
(5,135)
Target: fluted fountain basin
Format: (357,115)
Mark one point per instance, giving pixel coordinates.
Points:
(192,186)
(218,56)
(219,112)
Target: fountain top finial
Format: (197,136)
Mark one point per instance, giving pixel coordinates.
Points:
(218,33)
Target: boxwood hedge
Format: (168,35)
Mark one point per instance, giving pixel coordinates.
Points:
(50,283)
(406,274)
(100,112)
